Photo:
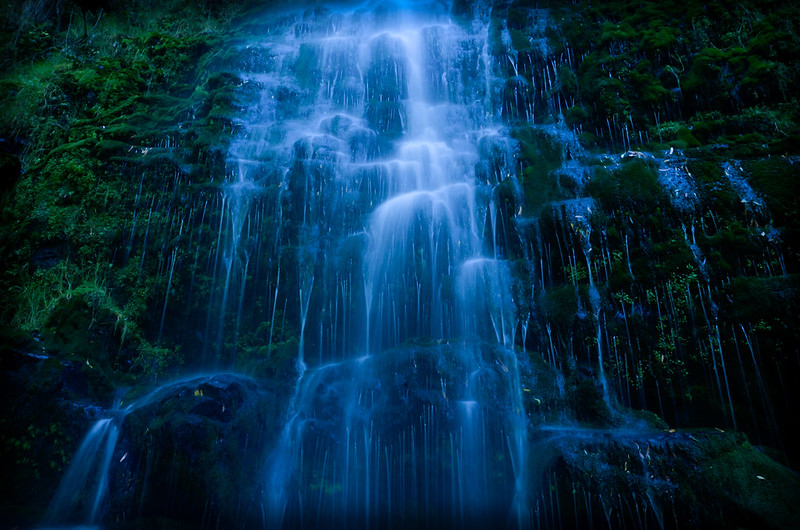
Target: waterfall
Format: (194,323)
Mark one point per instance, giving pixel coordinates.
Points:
(81,498)
(446,312)
(81,491)
(407,408)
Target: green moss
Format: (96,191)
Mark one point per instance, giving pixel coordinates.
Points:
(778,179)
(587,139)
(687,138)
(540,156)
(632,187)
(752,299)
(585,396)
(574,115)
(616,32)
(112,147)
(93,113)
(761,491)
(560,305)
(654,63)
(519,40)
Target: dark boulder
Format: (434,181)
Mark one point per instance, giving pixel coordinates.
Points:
(192,452)
(623,478)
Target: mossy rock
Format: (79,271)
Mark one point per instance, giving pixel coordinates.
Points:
(779,179)
(632,186)
(540,155)
(586,401)
(700,478)
(205,441)
(756,491)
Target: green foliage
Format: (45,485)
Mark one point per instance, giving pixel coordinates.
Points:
(540,155)
(559,304)
(153,360)
(574,115)
(32,100)
(93,113)
(779,179)
(586,398)
(631,187)
(644,63)
(752,299)
(733,464)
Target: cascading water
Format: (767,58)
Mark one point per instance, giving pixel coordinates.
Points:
(80,499)
(87,475)
(407,408)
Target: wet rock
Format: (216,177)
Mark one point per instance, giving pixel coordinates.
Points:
(708,479)
(192,451)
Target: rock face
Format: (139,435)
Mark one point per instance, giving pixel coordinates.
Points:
(196,452)
(667,479)
(193,452)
